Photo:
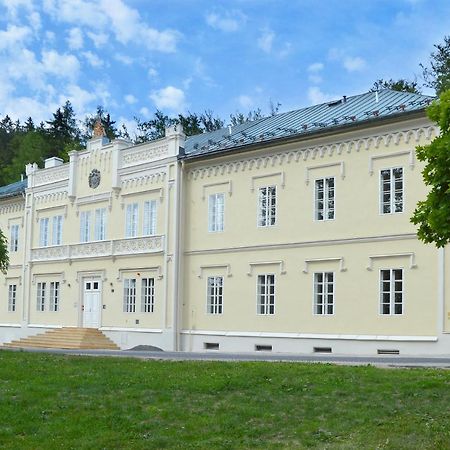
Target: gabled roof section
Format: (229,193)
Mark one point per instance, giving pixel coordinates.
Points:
(347,111)
(14,189)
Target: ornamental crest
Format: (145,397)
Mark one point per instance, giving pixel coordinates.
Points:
(94,178)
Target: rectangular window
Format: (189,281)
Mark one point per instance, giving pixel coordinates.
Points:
(149,218)
(85,226)
(14,239)
(391,191)
(57,230)
(100,224)
(214,296)
(54,296)
(266,294)
(43,232)
(40,299)
(12,295)
(129,295)
(131,220)
(148,295)
(324,293)
(324,199)
(391,291)
(216,203)
(267,206)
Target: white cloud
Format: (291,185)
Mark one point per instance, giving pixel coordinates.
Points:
(145,112)
(62,65)
(353,64)
(75,39)
(152,73)
(81,99)
(14,36)
(93,59)
(316,96)
(99,39)
(228,21)
(245,101)
(265,41)
(130,99)
(170,98)
(315,67)
(124,59)
(13,5)
(34,19)
(314,71)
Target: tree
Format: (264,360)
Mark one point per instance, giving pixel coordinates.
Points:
(239,118)
(401,85)
(4,259)
(433,214)
(437,76)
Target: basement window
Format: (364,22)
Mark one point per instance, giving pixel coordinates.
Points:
(322,350)
(384,351)
(211,345)
(263,348)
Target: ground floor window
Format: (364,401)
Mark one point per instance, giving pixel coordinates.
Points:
(266,294)
(12,295)
(129,295)
(40,297)
(54,296)
(148,295)
(214,296)
(324,293)
(391,291)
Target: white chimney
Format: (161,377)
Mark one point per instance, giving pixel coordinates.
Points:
(53,162)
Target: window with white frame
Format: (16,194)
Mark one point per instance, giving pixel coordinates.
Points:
(85,226)
(149,227)
(267,206)
(324,198)
(40,297)
(12,296)
(323,293)
(148,295)
(100,224)
(43,232)
(54,296)
(57,222)
(391,190)
(131,220)
(266,294)
(14,238)
(216,205)
(391,291)
(214,295)
(129,295)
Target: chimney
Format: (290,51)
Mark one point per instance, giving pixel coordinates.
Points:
(53,162)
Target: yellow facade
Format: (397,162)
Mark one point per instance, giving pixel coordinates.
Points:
(259,278)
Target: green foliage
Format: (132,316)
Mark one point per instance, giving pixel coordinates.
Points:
(401,85)
(437,75)
(4,259)
(433,214)
(109,125)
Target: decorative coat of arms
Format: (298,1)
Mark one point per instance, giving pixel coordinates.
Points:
(94,178)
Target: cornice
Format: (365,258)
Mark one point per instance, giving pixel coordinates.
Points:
(312,152)
(12,207)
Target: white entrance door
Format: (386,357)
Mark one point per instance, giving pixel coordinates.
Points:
(91,302)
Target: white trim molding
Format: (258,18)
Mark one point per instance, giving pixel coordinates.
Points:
(324,166)
(222,183)
(410,255)
(132,330)
(411,154)
(146,191)
(215,266)
(280,264)
(339,259)
(268,175)
(157,269)
(60,275)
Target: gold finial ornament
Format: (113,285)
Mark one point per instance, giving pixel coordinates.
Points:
(99,130)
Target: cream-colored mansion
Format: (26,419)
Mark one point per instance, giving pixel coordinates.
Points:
(289,234)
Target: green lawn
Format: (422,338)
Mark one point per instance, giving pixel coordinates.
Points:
(51,402)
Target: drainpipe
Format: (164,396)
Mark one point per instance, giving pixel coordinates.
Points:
(441,319)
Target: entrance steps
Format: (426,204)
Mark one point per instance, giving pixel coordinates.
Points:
(67,338)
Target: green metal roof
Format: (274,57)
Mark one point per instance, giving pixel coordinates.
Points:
(14,189)
(347,111)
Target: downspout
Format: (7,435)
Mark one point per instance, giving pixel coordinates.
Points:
(441,319)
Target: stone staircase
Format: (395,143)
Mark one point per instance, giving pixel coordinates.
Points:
(66,338)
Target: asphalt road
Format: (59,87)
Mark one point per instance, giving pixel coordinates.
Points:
(382,361)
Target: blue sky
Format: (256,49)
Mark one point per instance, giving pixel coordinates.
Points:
(134,56)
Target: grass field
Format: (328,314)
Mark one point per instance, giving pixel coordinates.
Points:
(51,402)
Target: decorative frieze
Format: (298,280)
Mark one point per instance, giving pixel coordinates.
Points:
(142,179)
(278,159)
(51,175)
(112,248)
(12,208)
(135,156)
